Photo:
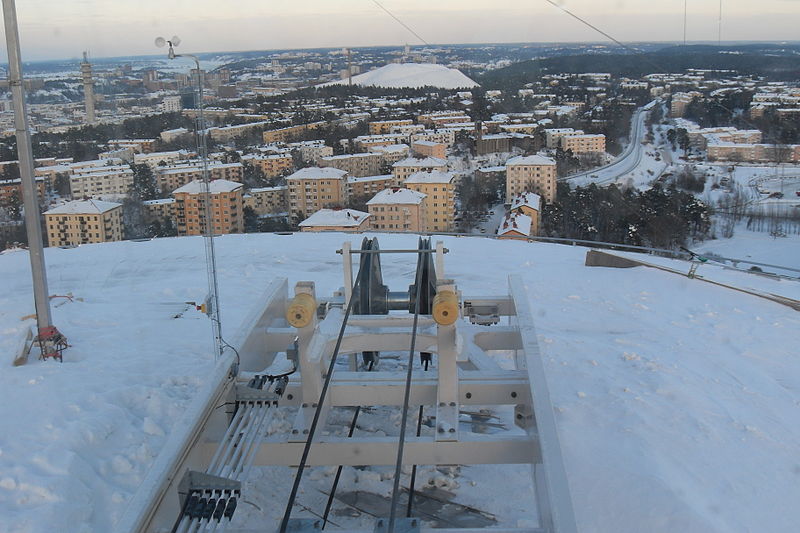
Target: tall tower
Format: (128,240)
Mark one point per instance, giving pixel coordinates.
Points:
(88,89)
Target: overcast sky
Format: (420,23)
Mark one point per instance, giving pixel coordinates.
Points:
(64,28)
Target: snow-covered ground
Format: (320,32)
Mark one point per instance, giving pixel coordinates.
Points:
(678,402)
(411,75)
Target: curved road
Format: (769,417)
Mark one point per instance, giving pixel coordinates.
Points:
(627,161)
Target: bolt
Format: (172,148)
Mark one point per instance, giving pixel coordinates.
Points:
(314,405)
(440,429)
(305,432)
(294,432)
(513,394)
(289,397)
(441,404)
(305,405)
(452,430)
(468,395)
(519,416)
(413,523)
(380,523)
(452,404)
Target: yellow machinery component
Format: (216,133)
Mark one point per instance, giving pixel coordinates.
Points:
(445,307)
(301,310)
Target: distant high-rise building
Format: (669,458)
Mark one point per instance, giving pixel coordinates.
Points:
(88,89)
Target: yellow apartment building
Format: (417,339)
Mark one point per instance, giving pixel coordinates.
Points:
(83,222)
(267,200)
(439,189)
(398,209)
(532,173)
(406,167)
(379,127)
(226,207)
(359,165)
(315,188)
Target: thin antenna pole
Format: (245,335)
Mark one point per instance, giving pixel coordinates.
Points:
(685,2)
(30,199)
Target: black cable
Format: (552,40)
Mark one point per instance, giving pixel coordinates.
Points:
(399,465)
(403,24)
(414,468)
(329,504)
(317,413)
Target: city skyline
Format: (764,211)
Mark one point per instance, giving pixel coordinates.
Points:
(124,29)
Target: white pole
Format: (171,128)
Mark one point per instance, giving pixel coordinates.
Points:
(25,155)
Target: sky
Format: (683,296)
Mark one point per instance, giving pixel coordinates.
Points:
(56,29)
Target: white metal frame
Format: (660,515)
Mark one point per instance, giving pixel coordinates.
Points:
(464,375)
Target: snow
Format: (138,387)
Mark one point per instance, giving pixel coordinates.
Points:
(397,196)
(82,207)
(434,176)
(420,162)
(396,75)
(515,223)
(676,401)
(529,199)
(317,173)
(336,218)
(214,187)
(535,159)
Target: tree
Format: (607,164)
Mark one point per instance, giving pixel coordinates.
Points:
(62,185)
(144,183)
(250,220)
(13,205)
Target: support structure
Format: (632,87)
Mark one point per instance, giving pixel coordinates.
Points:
(459,333)
(49,339)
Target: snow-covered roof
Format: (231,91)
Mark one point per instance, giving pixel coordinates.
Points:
(159,201)
(529,199)
(424,162)
(492,169)
(434,176)
(426,143)
(317,173)
(269,189)
(417,75)
(214,187)
(389,148)
(381,177)
(83,207)
(535,159)
(397,195)
(335,217)
(515,223)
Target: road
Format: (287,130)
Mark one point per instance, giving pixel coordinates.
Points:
(626,162)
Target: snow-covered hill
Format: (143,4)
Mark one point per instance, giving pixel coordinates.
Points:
(415,75)
(678,402)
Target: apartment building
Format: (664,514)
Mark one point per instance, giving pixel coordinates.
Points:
(364,142)
(390,153)
(171,177)
(553,136)
(169,136)
(368,185)
(84,222)
(311,151)
(229,133)
(533,173)
(441,118)
(406,167)
(398,209)
(9,189)
(527,128)
(290,132)
(155,159)
(429,149)
(160,208)
(268,200)
(439,189)
(271,166)
(227,209)
(93,182)
(379,127)
(680,101)
(315,188)
(726,151)
(359,165)
(584,144)
(139,146)
(345,220)
(445,136)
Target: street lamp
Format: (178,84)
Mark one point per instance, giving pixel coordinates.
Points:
(212,301)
